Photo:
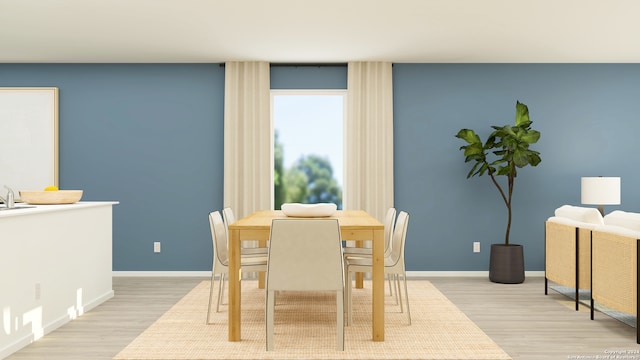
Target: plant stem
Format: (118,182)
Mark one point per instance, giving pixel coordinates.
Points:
(511,181)
(507,201)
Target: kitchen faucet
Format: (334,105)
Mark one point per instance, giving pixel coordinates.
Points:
(8,201)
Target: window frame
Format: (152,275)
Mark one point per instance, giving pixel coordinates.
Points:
(308,92)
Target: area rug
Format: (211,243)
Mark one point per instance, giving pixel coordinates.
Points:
(305,329)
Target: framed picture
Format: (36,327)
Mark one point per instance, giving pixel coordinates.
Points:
(29,138)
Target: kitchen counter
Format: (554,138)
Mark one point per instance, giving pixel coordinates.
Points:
(28,209)
(55,265)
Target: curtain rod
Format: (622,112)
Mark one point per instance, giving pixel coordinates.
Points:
(303,64)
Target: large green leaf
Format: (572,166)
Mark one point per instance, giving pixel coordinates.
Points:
(534,158)
(520,158)
(473,149)
(531,137)
(469,136)
(522,115)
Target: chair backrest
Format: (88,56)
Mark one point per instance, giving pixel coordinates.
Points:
(229,218)
(219,238)
(389,223)
(304,255)
(399,239)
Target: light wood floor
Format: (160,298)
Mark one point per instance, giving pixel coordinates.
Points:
(520,318)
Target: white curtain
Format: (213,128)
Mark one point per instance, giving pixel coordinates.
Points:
(247,137)
(369,138)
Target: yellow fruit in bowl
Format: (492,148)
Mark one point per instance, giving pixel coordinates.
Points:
(51,188)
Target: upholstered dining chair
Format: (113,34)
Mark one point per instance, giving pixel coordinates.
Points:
(393,265)
(305,255)
(221,259)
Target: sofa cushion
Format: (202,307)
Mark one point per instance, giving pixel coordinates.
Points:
(572,222)
(623,219)
(582,214)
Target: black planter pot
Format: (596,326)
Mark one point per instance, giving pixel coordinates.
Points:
(506,264)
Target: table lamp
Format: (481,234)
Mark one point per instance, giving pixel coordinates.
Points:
(600,191)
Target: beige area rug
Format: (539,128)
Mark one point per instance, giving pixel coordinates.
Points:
(305,329)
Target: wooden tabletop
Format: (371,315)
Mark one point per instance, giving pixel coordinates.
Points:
(348,219)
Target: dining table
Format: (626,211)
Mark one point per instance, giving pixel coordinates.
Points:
(355,225)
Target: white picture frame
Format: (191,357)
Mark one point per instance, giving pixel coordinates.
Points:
(28,138)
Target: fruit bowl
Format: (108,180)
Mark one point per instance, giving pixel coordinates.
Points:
(40,197)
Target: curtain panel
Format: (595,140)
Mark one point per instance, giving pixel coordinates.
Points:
(369,138)
(247,137)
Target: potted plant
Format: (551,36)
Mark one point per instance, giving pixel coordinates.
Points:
(506,150)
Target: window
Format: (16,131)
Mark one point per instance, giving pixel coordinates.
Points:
(308,145)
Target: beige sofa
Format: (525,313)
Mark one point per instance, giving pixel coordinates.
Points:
(587,251)
(568,248)
(616,250)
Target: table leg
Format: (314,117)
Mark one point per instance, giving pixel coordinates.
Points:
(359,275)
(261,274)
(234,285)
(378,285)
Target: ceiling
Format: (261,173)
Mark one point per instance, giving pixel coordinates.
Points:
(304,31)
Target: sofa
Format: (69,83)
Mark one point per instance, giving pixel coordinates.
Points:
(614,264)
(586,251)
(568,248)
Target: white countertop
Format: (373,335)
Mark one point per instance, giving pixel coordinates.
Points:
(39,209)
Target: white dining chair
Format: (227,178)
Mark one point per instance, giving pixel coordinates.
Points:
(356,252)
(305,255)
(229,218)
(389,221)
(393,266)
(221,259)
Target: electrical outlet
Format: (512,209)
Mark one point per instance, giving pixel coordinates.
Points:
(156,247)
(476,246)
(37,292)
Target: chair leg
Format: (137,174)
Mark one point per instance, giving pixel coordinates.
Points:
(349,299)
(220,292)
(340,320)
(390,288)
(210,298)
(223,278)
(345,293)
(269,318)
(398,292)
(406,296)
(392,279)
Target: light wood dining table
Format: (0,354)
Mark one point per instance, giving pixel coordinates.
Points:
(354,225)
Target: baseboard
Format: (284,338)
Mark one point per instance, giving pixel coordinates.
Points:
(161,273)
(97,301)
(410,274)
(485,274)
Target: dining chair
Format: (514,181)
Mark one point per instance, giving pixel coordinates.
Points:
(229,218)
(389,221)
(221,259)
(305,255)
(393,265)
(356,252)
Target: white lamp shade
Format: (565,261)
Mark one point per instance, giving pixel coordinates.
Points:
(600,190)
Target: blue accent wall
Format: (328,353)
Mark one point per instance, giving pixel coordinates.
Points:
(151,137)
(293,77)
(585,113)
